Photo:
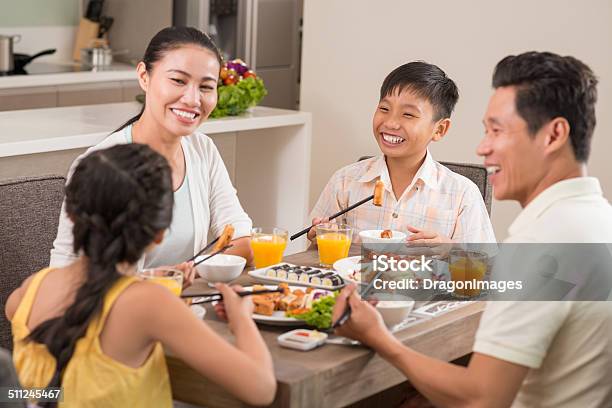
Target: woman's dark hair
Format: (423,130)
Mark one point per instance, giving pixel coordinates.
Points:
(118,199)
(427,81)
(550,86)
(168,39)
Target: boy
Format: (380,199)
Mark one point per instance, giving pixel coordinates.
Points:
(422,197)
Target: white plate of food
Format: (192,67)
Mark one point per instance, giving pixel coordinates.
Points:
(299,276)
(271,308)
(351,268)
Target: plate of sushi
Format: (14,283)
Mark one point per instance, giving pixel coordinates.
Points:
(299,275)
(294,306)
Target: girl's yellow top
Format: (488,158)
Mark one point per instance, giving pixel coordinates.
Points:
(91,378)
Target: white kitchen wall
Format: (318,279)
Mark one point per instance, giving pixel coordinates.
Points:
(350,46)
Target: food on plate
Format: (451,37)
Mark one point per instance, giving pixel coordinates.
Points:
(312,306)
(305,274)
(378,193)
(225,238)
(386,234)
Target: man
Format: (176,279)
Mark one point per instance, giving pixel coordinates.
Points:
(538,128)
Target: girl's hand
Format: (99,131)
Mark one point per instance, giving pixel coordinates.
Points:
(365,324)
(233,308)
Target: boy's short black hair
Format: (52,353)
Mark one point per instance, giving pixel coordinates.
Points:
(550,86)
(424,80)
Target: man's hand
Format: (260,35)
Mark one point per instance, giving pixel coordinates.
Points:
(312,233)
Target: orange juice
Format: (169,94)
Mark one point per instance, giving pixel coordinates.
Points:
(333,246)
(466,269)
(169,278)
(268,249)
(172,284)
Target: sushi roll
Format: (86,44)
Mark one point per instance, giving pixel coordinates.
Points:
(316,279)
(336,281)
(271,273)
(304,278)
(293,276)
(281,274)
(313,272)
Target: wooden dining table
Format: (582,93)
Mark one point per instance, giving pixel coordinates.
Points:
(332,375)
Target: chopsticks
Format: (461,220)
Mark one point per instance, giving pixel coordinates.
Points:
(339,213)
(347,312)
(213,254)
(212,297)
(206,248)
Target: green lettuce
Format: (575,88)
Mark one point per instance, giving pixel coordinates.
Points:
(320,315)
(237,98)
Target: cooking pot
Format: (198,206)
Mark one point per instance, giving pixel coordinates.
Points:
(6,52)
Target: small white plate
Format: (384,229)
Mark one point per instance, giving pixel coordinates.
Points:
(199,311)
(347,266)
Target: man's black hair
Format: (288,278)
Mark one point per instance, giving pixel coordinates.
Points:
(549,86)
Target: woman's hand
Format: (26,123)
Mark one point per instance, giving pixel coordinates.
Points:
(233,307)
(365,323)
(189,272)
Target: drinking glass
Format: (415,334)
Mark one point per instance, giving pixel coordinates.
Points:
(268,246)
(168,277)
(468,267)
(333,241)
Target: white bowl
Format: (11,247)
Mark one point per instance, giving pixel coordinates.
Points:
(372,241)
(393,308)
(221,268)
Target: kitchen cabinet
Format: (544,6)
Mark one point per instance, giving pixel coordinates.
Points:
(90,93)
(28,98)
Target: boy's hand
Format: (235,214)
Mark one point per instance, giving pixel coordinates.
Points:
(312,234)
(438,243)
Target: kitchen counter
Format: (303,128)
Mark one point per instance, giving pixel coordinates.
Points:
(115,72)
(266,152)
(47,130)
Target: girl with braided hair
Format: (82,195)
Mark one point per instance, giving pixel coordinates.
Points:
(96,330)
(179,74)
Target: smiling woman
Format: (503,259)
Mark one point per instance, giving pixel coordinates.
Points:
(179,74)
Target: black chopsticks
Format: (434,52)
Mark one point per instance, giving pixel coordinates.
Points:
(347,312)
(213,254)
(213,242)
(347,209)
(212,297)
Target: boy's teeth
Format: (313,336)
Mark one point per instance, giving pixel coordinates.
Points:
(493,169)
(392,139)
(184,114)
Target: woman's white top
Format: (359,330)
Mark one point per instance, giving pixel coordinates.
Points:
(214,202)
(179,237)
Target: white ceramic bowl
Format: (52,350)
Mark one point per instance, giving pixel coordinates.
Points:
(372,241)
(394,308)
(221,268)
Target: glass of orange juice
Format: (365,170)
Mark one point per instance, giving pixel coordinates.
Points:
(333,241)
(468,267)
(168,277)
(268,246)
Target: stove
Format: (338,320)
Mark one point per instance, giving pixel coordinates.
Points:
(41,68)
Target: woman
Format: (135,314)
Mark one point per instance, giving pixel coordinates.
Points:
(96,330)
(179,74)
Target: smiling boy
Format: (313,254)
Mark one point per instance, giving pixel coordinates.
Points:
(421,196)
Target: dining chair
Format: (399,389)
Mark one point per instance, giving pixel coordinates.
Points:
(475,172)
(8,378)
(29,216)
